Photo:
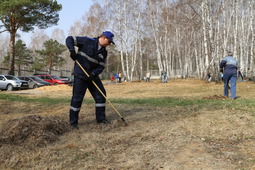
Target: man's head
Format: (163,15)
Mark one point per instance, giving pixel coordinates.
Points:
(106,38)
(230,53)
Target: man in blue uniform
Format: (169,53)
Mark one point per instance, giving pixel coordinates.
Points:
(230,66)
(92,56)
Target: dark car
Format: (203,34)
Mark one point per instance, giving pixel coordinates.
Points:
(9,82)
(34,82)
(53,80)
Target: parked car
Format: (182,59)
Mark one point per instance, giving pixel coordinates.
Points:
(34,82)
(9,82)
(70,79)
(38,79)
(53,80)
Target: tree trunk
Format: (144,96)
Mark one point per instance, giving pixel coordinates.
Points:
(141,59)
(204,20)
(12,53)
(251,2)
(120,29)
(155,30)
(236,33)
(126,65)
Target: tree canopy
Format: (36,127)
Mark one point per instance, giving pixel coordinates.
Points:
(25,15)
(51,55)
(23,56)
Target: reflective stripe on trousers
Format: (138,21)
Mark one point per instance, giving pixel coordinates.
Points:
(100,105)
(75,109)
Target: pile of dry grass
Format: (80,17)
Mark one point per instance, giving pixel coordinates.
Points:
(60,87)
(33,130)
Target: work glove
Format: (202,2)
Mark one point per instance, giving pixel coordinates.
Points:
(221,70)
(91,76)
(73,55)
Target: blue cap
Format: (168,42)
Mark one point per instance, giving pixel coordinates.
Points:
(109,35)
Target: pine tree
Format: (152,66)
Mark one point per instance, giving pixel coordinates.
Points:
(51,55)
(25,15)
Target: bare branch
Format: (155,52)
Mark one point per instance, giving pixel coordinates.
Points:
(3,31)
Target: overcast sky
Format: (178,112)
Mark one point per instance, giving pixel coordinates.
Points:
(72,10)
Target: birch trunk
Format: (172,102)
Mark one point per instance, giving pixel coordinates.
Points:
(241,37)
(251,3)
(204,20)
(140,58)
(126,40)
(121,48)
(155,31)
(236,33)
(136,44)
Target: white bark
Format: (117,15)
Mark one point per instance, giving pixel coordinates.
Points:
(251,65)
(155,31)
(188,38)
(204,20)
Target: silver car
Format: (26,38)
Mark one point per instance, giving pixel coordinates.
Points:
(34,82)
(9,82)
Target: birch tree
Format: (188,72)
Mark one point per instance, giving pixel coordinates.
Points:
(251,53)
(58,35)
(154,18)
(186,38)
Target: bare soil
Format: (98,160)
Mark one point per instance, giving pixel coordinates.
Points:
(37,136)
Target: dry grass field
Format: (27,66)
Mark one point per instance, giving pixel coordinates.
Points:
(182,124)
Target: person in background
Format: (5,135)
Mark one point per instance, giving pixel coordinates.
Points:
(209,77)
(164,76)
(229,66)
(120,76)
(112,78)
(92,56)
(148,76)
(117,77)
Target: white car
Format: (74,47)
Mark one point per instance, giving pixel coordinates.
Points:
(9,82)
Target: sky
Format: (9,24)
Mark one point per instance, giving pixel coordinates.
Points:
(72,10)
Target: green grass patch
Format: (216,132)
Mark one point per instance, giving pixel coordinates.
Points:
(168,102)
(43,100)
(239,104)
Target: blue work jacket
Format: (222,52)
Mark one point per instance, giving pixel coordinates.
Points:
(91,58)
(229,64)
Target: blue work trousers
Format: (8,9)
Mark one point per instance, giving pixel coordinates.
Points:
(232,80)
(79,89)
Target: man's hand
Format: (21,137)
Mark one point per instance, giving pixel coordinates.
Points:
(73,55)
(221,70)
(91,76)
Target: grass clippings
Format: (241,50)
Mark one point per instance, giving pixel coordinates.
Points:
(33,130)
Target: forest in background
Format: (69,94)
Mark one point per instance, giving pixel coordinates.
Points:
(186,38)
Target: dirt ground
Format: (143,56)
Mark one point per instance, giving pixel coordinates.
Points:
(37,136)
